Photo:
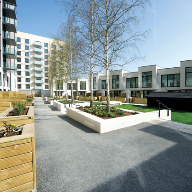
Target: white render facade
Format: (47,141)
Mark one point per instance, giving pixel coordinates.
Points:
(32,63)
(8,50)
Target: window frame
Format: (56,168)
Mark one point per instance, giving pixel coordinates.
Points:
(186,77)
(173,79)
(147,79)
(116,80)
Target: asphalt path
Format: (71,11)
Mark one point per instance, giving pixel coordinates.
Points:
(148,157)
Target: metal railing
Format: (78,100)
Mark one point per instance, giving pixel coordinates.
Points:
(160,103)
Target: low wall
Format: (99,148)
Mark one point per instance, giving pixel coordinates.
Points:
(140,101)
(17,161)
(18,120)
(106,125)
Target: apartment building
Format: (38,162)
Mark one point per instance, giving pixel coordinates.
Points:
(147,79)
(32,63)
(8,42)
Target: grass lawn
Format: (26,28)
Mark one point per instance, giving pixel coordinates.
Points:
(94,102)
(177,116)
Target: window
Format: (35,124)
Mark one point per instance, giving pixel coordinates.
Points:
(117,93)
(74,86)
(46,86)
(145,93)
(27,41)
(132,82)
(18,46)
(45,50)
(19,86)
(45,44)
(46,62)
(27,79)
(103,84)
(94,82)
(18,72)
(68,86)
(18,39)
(18,66)
(46,81)
(46,68)
(26,66)
(18,52)
(188,76)
(18,79)
(147,79)
(27,73)
(82,85)
(26,47)
(134,93)
(59,85)
(115,81)
(18,59)
(46,74)
(26,60)
(45,56)
(172,80)
(27,54)
(27,86)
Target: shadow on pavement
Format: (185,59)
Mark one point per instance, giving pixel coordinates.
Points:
(46,102)
(53,108)
(77,124)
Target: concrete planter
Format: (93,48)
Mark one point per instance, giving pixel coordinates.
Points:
(107,125)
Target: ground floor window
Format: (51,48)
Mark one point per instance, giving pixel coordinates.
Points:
(94,93)
(145,93)
(82,93)
(134,93)
(117,93)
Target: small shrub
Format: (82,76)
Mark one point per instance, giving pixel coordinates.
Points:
(18,108)
(111,115)
(29,100)
(104,114)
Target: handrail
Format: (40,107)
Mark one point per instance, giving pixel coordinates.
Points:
(160,103)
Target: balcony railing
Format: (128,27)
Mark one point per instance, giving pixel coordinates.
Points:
(38,87)
(9,50)
(38,50)
(38,56)
(9,65)
(38,62)
(9,20)
(37,43)
(39,81)
(9,35)
(8,5)
(38,75)
(38,69)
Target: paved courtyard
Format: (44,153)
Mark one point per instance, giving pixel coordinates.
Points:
(152,156)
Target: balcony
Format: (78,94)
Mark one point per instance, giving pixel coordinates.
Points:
(39,81)
(38,69)
(9,10)
(38,50)
(38,75)
(9,24)
(38,62)
(38,87)
(9,38)
(7,50)
(9,66)
(37,43)
(38,56)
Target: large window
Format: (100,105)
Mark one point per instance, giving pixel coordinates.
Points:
(172,80)
(45,62)
(46,74)
(18,39)
(27,86)
(26,66)
(74,86)
(115,81)
(26,47)
(188,76)
(18,46)
(19,86)
(145,93)
(132,82)
(103,84)
(18,72)
(46,69)
(134,93)
(27,54)
(27,79)
(46,86)
(94,82)
(82,85)
(18,66)
(26,60)
(27,73)
(45,44)
(147,79)
(46,81)
(45,50)
(27,41)
(18,79)
(18,52)
(68,86)
(45,56)
(18,59)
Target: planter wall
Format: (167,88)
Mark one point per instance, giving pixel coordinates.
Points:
(106,125)
(17,162)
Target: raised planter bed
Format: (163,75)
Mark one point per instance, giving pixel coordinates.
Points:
(107,125)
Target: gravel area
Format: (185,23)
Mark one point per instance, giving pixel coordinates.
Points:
(144,158)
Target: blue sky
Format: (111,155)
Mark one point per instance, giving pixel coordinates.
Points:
(169,21)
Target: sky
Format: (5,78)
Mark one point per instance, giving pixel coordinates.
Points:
(169,22)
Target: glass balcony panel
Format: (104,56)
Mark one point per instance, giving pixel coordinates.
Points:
(38,62)
(9,20)
(38,50)
(38,69)
(38,56)
(8,5)
(38,75)
(9,65)
(9,50)
(39,81)
(9,35)
(37,43)
(38,87)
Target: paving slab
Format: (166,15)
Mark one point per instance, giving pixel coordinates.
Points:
(143,158)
